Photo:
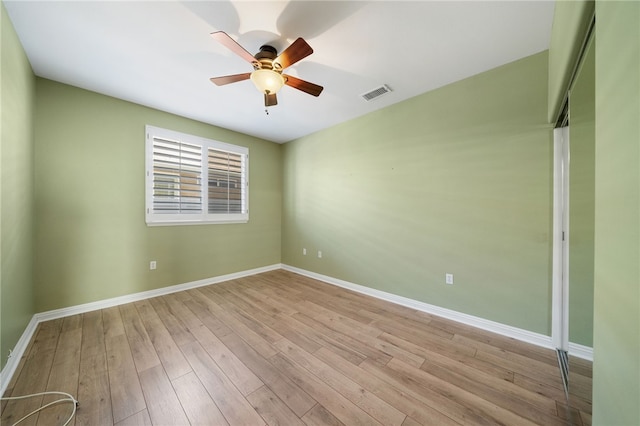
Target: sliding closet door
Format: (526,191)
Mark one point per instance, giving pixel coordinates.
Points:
(582,201)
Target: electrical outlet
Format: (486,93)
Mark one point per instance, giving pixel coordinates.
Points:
(304,251)
(152,265)
(319,254)
(448,278)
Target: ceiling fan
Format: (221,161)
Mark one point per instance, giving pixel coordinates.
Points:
(267,68)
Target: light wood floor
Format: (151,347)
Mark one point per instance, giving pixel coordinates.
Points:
(279,348)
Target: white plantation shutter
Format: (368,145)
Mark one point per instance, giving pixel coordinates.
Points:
(177,177)
(226,181)
(194,180)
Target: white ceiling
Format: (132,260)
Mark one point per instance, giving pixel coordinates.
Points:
(160,54)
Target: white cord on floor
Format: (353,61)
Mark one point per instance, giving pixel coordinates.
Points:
(69,398)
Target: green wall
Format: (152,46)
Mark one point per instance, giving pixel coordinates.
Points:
(16,190)
(457,180)
(616,375)
(91,238)
(582,200)
(570,22)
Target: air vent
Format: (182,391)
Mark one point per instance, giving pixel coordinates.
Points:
(376,93)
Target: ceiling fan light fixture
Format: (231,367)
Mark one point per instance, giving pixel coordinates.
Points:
(267,81)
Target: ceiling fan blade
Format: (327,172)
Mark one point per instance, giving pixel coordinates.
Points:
(270,99)
(226,40)
(305,86)
(221,81)
(299,49)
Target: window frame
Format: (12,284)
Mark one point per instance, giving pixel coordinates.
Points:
(203,217)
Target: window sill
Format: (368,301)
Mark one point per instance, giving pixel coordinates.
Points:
(217,222)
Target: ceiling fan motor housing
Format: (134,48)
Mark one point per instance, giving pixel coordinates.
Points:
(265,59)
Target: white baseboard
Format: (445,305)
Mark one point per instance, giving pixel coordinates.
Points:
(10,368)
(502,329)
(16,354)
(581,351)
(121,300)
(495,327)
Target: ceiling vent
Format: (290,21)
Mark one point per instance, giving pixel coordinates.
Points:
(376,93)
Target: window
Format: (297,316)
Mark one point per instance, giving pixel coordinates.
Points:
(193,180)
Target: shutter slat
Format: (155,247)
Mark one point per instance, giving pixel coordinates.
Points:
(225,182)
(177,177)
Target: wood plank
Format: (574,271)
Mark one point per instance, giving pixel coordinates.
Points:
(537,353)
(580,366)
(586,418)
(63,377)
(268,334)
(569,415)
(376,407)
(580,386)
(272,409)
(201,304)
(283,386)
(437,343)
(144,354)
(520,364)
(112,321)
(319,416)
(162,403)
(344,345)
(274,305)
(241,376)
(333,319)
(276,322)
(93,381)
(466,361)
(334,402)
(410,422)
(174,363)
(126,392)
(178,331)
(281,324)
(507,395)
(294,397)
(400,399)
(347,304)
(71,323)
(35,374)
(140,418)
(326,302)
(275,289)
(235,408)
(551,392)
(398,352)
(14,378)
(196,402)
(341,295)
(483,407)
(434,398)
(94,395)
